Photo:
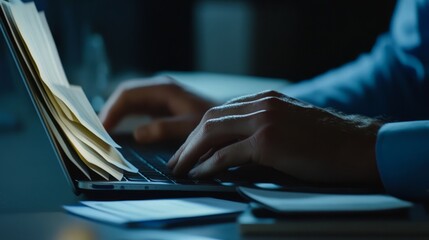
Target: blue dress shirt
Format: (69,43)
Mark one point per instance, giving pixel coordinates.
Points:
(389,82)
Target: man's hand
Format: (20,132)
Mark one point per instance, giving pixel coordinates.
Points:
(274,130)
(176,111)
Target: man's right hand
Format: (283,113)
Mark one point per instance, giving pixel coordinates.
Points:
(175,111)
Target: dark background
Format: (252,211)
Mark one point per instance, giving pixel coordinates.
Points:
(291,39)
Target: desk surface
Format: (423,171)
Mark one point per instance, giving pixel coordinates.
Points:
(62,226)
(33,190)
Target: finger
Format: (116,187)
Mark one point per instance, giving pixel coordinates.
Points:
(242,108)
(192,136)
(232,155)
(212,134)
(174,159)
(132,98)
(253,97)
(173,128)
(269,99)
(235,109)
(232,110)
(202,158)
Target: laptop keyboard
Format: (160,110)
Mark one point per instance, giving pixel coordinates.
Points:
(152,168)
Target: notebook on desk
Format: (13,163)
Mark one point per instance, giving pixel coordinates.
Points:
(91,159)
(274,213)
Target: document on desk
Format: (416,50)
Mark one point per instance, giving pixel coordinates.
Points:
(282,213)
(300,202)
(158,213)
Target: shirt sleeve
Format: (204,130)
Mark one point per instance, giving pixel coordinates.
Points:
(403,159)
(391,81)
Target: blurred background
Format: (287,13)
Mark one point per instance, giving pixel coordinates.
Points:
(105,41)
(100,40)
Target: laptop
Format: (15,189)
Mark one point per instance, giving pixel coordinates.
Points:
(150,160)
(152,175)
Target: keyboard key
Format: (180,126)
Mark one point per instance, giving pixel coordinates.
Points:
(160,179)
(184,181)
(206,182)
(136,177)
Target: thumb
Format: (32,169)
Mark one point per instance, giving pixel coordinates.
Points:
(173,128)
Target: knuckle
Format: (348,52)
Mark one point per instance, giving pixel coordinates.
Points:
(263,140)
(158,129)
(168,83)
(121,96)
(255,145)
(125,90)
(218,158)
(138,137)
(123,86)
(126,86)
(272,93)
(266,117)
(208,126)
(266,134)
(271,103)
(168,80)
(173,91)
(253,140)
(234,100)
(162,79)
(211,113)
(173,87)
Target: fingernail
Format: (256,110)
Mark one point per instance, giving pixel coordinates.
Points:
(193,173)
(170,163)
(141,134)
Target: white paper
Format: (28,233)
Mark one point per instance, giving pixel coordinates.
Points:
(147,234)
(165,209)
(67,103)
(95,214)
(317,202)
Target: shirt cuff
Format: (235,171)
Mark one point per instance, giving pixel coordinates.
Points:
(402,153)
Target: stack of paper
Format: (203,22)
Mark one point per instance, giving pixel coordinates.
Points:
(307,202)
(158,213)
(64,107)
(319,214)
